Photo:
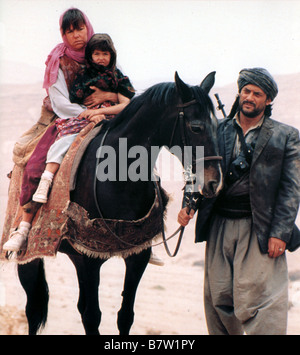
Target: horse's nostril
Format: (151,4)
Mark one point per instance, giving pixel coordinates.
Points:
(213,185)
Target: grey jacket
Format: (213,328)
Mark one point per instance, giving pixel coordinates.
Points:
(274,183)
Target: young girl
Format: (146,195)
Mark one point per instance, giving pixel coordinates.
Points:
(100,72)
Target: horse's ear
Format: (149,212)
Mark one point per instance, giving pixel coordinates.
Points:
(183,90)
(208,82)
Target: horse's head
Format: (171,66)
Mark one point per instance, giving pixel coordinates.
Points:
(197,126)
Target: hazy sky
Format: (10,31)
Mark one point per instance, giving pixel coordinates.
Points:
(155,38)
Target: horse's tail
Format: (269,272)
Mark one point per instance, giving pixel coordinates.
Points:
(33,279)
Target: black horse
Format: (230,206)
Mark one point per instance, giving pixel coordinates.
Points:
(167,114)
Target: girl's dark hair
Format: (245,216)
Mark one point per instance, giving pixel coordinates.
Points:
(103,46)
(72,17)
(104,43)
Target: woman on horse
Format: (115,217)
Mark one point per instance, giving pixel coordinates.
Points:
(101,72)
(62,66)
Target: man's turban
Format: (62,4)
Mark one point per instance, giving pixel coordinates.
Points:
(259,77)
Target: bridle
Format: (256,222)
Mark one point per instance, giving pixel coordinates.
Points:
(184,139)
(188,180)
(180,120)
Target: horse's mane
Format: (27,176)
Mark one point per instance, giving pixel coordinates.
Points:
(202,98)
(158,95)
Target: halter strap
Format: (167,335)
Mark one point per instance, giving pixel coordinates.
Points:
(187,104)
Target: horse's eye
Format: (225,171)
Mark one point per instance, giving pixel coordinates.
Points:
(197,128)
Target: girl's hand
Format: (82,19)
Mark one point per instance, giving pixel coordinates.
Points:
(97,118)
(88,114)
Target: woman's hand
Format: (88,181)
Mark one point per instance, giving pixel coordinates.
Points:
(98,97)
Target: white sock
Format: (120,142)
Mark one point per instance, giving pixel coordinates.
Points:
(47,175)
(25,225)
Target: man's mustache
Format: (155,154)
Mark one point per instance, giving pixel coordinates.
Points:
(249,103)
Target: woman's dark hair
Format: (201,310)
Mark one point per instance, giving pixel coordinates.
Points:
(72,17)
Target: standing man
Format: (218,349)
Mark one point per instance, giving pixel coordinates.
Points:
(251,223)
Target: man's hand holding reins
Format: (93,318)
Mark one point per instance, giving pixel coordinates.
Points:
(183,216)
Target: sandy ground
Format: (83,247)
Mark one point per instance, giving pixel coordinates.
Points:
(170,298)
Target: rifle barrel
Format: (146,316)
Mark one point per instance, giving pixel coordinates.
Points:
(220,105)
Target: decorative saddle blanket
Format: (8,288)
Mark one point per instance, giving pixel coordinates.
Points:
(62,219)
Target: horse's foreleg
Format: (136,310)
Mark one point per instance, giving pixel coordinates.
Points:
(135,267)
(32,278)
(88,273)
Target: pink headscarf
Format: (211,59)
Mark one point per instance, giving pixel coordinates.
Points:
(52,62)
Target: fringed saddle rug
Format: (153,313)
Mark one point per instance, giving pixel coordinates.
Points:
(62,219)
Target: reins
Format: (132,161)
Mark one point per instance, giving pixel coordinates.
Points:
(95,195)
(156,185)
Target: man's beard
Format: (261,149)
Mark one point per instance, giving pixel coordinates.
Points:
(250,114)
